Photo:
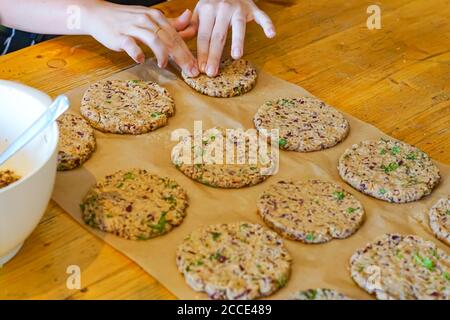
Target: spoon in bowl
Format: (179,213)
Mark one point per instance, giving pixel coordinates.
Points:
(56,109)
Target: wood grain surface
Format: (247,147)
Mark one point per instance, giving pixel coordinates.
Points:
(396,78)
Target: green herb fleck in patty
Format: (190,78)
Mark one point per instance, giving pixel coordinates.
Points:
(310,237)
(217,256)
(160,227)
(215,235)
(282,281)
(286,103)
(447,276)
(199,262)
(171,184)
(395,150)
(424,261)
(155,114)
(390,167)
(142,237)
(128,176)
(90,220)
(243,226)
(311,294)
(339,195)
(170,199)
(282,142)
(239,89)
(411,156)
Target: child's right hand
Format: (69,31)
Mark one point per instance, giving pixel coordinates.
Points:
(124,28)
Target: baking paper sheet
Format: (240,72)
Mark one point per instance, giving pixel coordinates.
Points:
(320,265)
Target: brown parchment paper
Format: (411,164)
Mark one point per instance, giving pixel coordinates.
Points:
(321,265)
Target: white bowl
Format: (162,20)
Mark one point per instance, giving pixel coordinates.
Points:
(23,203)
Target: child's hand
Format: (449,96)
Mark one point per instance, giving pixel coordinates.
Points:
(125,28)
(213,18)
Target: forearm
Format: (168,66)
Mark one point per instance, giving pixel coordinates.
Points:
(45,16)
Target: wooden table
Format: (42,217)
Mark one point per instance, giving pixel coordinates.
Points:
(397,78)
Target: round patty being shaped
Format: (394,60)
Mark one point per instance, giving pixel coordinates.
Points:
(235,78)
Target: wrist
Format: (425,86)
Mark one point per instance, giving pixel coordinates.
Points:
(89,11)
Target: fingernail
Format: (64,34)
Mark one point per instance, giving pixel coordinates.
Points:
(194,71)
(184,13)
(271,33)
(211,71)
(162,65)
(236,53)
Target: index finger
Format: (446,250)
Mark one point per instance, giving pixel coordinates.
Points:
(178,49)
(218,38)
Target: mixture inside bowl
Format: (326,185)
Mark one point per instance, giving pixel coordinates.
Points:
(7,177)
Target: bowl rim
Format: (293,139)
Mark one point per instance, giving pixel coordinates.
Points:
(45,100)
